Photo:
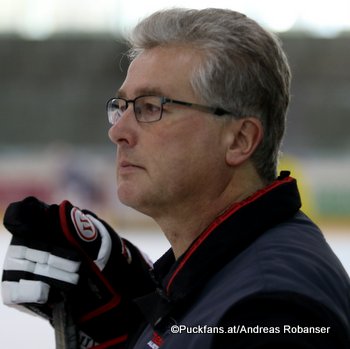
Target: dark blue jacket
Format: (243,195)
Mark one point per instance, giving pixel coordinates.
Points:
(261,271)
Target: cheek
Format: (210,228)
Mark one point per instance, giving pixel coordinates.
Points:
(184,160)
(189,144)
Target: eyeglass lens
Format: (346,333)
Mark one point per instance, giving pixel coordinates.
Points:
(146,108)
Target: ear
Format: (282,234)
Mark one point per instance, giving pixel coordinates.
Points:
(245,136)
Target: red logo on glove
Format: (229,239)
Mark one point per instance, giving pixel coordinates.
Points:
(83,225)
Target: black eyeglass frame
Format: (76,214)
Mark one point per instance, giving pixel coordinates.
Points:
(165,100)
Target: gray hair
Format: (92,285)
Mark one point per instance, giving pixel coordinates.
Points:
(243,69)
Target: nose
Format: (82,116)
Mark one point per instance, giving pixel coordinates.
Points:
(124,131)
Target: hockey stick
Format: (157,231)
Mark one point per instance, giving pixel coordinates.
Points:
(65,331)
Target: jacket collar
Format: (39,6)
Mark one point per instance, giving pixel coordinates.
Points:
(227,236)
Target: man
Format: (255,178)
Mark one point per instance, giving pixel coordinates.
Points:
(198,124)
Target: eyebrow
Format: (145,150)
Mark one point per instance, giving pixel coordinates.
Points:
(153,91)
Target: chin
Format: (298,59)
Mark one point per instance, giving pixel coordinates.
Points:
(129,196)
(125,197)
(136,202)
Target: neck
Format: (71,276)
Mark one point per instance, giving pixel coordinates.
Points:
(182,225)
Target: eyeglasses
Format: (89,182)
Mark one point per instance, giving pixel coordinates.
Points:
(150,108)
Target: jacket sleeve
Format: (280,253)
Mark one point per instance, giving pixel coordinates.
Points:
(271,321)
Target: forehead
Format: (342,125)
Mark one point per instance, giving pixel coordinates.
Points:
(163,71)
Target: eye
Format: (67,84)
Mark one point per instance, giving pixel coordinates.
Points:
(147,112)
(150,108)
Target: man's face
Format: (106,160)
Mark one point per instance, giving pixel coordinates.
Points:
(176,162)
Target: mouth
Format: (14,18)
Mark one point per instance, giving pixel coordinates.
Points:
(126,166)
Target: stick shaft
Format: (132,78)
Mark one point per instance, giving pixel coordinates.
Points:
(65,330)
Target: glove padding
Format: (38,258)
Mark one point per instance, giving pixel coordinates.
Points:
(44,250)
(59,248)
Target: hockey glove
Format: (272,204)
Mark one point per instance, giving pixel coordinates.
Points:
(60,248)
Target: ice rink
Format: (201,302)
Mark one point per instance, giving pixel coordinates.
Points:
(19,330)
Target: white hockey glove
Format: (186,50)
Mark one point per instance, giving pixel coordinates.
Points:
(60,248)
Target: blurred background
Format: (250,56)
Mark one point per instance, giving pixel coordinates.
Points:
(60,60)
